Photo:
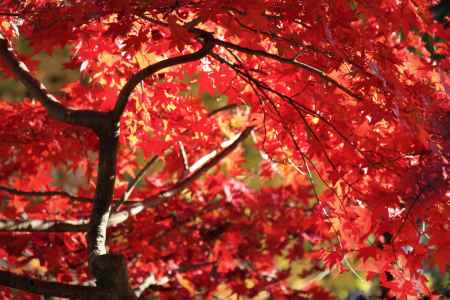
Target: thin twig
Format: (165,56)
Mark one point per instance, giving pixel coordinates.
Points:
(44,194)
(133,183)
(224,108)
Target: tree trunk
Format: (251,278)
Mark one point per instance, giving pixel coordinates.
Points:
(109,270)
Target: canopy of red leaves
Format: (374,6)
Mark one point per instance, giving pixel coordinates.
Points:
(348,105)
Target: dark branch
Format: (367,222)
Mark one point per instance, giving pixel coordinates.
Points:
(10,14)
(44,194)
(49,288)
(43,226)
(133,183)
(128,88)
(224,108)
(440,11)
(87,118)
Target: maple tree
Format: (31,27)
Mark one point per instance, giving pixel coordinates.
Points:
(204,139)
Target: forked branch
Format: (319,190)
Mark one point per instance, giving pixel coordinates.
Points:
(138,77)
(86,118)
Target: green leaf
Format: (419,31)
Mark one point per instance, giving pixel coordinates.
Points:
(213,102)
(252,155)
